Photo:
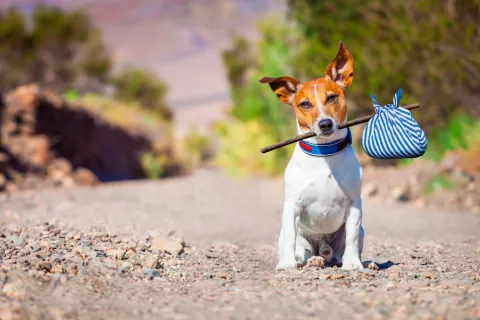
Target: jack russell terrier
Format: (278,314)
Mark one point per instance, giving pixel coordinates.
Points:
(322,213)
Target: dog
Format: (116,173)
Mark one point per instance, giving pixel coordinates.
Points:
(322,212)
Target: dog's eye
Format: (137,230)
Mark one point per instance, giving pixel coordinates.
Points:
(305,105)
(331,98)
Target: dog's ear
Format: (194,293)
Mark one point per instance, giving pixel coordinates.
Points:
(340,70)
(284,87)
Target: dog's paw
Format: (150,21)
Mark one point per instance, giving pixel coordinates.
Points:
(352,264)
(316,262)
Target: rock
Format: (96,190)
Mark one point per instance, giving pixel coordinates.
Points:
(151,273)
(118,254)
(450,161)
(15,290)
(167,244)
(421,202)
(369,190)
(151,262)
(84,177)
(4,161)
(135,259)
(372,266)
(18,241)
(59,169)
(85,242)
(35,247)
(47,266)
(401,193)
(11,187)
(3,182)
(127,265)
(337,276)
(58,268)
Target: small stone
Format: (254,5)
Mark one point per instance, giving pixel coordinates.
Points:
(151,262)
(127,265)
(47,266)
(421,202)
(135,259)
(15,290)
(77,237)
(85,242)
(337,276)
(167,244)
(401,193)
(118,254)
(35,247)
(430,276)
(58,268)
(151,273)
(84,177)
(372,266)
(3,182)
(18,241)
(369,190)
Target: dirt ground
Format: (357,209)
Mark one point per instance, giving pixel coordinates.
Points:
(203,247)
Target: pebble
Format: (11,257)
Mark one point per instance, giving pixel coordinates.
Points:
(118,254)
(151,272)
(151,262)
(167,244)
(18,241)
(58,268)
(84,242)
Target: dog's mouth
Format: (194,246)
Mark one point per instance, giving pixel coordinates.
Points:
(327,133)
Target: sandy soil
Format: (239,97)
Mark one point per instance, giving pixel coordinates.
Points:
(98,254)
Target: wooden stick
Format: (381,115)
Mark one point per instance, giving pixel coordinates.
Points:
(311,134)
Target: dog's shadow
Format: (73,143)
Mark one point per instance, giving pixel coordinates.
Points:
(381,266)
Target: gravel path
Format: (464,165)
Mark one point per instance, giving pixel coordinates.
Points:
(203,247)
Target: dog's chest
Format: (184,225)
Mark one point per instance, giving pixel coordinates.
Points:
(323,205)
(321,192)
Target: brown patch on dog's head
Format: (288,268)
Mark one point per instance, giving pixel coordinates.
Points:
(320,98)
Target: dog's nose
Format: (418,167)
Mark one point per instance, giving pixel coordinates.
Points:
(325,124)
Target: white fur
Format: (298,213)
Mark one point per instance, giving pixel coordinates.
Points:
(322,194)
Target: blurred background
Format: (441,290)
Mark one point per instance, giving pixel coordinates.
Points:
(112,90)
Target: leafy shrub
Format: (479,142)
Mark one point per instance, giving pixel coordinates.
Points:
(151,166)
(195,148)
(429,48)
(134,84)
(240,149)
(258,118)
(437,183)
(61,50)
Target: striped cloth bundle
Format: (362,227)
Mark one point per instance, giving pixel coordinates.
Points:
(392,133)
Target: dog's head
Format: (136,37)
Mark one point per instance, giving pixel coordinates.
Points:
(319,104)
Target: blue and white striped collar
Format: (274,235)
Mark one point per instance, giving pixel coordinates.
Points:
(327,149)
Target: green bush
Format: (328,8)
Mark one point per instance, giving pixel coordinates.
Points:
(437,183)
(258,117)
(134,84)
(151,166)
(61,50)
(240,149)
(429,48)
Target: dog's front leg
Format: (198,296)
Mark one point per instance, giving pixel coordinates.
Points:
(288,236)
(353,237)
